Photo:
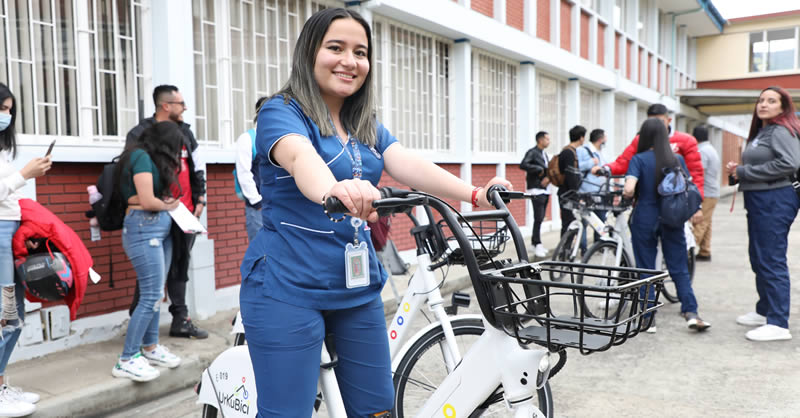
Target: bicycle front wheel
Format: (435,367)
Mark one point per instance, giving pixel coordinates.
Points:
(423,369)
(563,252)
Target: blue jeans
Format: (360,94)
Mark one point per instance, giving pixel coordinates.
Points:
(285,342)
(145,237)
(253,221)
(9,337)
(770,214)
(645,236)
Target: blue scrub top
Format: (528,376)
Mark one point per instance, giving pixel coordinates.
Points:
(301,249)
(643,167)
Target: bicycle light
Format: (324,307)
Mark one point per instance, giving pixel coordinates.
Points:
(544,370)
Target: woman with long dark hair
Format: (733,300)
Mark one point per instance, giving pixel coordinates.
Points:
(645,172)
(146,173)
(13,401)
(318,137)
(770,160)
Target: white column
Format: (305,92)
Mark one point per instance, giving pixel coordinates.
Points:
(573,103)
(623,52)
(632,16)
(500,11)
(529,17)
(681,123)
(607,122)
(593,39)
(465,3)
(86,113)
(461,79)
(575,36)
(630,130)
(555,22)
(528,119)
(608,45)
(173,61)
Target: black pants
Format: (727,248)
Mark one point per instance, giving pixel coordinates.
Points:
(177,276)
(539,203)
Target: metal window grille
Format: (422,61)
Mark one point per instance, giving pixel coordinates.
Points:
(495,101)
(590,114)
(413,92)
(206,70)
(553,110)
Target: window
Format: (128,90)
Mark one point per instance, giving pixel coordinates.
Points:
(413,93)
(205,71)
(552,109)
(641,24)
(589,4)
(589,110)
(494,106)
(45,52)
(620,19)
(777,52)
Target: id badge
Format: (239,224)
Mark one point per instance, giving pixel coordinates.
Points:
(356,259)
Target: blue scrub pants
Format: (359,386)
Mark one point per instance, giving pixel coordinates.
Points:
(645,233)
(770,214)
(285,343)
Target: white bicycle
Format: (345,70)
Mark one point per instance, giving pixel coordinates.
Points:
(228,387)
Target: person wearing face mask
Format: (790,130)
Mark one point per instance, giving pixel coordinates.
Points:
(590,156)
(770,160)
(318,138)
(680,142)
(13,401)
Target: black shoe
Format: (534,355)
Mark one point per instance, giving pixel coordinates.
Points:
(702,257)
(186,329)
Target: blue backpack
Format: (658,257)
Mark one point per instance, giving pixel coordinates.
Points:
(680,198)
(236,185)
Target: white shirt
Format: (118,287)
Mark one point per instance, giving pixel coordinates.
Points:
(10,181)
(244,161)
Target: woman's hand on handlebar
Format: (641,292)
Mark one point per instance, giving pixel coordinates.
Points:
(483,200)
(357,195)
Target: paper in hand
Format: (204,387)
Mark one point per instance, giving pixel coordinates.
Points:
(186,220)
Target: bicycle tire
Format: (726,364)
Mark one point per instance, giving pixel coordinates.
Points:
(670,292)
(404,375)
(563,252)
(602,310)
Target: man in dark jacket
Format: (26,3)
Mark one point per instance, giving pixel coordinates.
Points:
(568,165)
(535,165)
(170,107)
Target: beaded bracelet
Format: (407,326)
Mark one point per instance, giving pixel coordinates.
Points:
(324,209)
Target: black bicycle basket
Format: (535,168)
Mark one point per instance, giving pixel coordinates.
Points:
(598,308)
(486,237)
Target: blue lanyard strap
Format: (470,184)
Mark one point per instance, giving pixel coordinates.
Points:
(355,156)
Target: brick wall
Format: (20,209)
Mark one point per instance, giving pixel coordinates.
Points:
(543,19)
(650,70)
(483,6)
(617,37)
(515,13)
(517,179)
(566,25)
(731,151)
(786,81)
(584,35)
(658,76)
(601,44)
(226,225)
(628,47)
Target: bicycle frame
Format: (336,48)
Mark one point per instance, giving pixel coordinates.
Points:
(591,218)
(621,234)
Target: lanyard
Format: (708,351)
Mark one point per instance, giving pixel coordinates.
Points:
(355,156)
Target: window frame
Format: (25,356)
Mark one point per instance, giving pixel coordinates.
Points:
(765,39)
(508,142)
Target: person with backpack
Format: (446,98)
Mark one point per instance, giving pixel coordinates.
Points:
(13,401)
(191,178)
(535,165)
(146,175)
(568,176)
(645,174)
(770,163)
(246,176)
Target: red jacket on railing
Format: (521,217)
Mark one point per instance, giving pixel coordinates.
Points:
(681,143)
(38,222)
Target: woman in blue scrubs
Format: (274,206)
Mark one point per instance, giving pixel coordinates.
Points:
(308,274)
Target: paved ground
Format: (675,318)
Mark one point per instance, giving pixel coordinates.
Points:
(671,373)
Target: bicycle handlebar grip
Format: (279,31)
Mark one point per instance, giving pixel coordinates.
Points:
(334,205)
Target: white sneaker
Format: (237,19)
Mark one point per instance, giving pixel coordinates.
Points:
(540,251)
(162,357)
(20,395)
(751,319)
(651,330)
(137,369)
(768,333)
(10,407)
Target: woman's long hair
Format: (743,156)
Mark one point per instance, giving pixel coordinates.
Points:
(654,135)
(8,137)
(358,112)
(162,142)
(786,118)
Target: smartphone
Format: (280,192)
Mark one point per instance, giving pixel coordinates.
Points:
(50,149)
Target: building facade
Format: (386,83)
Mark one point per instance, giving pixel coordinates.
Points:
(466,83)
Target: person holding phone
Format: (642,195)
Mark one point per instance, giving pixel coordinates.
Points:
(146,173)
(13,401)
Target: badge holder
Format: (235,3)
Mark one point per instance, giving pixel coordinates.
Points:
(356,258)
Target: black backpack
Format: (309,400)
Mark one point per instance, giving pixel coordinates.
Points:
(110,209)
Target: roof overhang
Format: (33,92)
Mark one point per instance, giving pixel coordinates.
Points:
(700,17)
(716,102)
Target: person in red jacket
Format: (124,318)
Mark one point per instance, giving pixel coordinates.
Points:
(680,142)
